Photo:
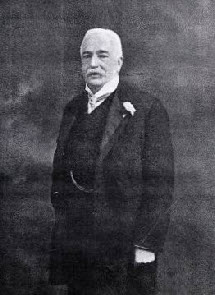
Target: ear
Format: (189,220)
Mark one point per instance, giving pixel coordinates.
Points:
(120,62)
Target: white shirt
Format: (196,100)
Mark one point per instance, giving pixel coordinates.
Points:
(99,97)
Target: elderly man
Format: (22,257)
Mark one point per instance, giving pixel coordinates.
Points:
(112,180)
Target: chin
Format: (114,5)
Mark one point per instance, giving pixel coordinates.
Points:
(95,84)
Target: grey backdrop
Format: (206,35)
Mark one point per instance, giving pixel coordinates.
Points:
(169,49)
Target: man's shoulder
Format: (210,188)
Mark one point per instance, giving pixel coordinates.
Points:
(140,98)
(74,102)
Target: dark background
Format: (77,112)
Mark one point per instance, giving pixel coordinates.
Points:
(169,49)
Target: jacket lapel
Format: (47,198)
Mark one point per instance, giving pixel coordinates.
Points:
(114,119)
(65,129)
(69,120)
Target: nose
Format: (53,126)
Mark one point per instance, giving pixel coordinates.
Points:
(94,61)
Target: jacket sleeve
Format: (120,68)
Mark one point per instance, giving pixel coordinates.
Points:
(158,179)
(59,172)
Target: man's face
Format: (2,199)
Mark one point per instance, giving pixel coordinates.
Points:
(99,61)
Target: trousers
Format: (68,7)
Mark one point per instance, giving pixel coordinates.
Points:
(89,277)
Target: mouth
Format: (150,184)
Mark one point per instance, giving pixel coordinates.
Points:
(94,75)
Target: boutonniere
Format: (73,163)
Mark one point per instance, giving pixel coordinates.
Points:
(129,107)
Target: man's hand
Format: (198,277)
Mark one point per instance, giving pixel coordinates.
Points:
(144,256)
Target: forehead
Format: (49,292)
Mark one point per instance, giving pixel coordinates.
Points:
(97,42)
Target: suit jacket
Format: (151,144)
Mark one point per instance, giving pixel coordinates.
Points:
(134,175)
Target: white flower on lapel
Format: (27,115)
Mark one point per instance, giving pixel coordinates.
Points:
(129,107)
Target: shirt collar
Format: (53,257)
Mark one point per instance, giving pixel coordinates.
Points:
(109,87)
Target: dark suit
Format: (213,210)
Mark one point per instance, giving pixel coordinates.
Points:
(132,190)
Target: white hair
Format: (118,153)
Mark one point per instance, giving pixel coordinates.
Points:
(110,34)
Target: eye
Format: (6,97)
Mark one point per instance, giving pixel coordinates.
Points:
(103,55)
(86,55)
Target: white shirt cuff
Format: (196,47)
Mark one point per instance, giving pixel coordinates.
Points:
(144,256)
